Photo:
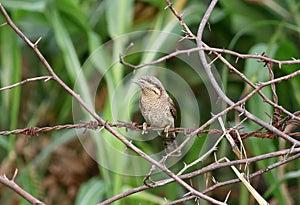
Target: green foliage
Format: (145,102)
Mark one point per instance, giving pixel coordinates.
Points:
(91,192)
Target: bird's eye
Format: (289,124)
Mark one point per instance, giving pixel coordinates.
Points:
(156,90)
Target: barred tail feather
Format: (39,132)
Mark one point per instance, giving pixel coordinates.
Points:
(170,145)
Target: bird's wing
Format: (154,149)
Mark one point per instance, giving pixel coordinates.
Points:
(172,108)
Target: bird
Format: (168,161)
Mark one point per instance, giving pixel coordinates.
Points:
(158,110)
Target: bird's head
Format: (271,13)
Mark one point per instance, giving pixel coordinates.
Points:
(150,85)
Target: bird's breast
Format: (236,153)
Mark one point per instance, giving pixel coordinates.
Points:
(156,112)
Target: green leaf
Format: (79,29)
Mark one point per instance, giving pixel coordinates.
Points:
(257,72)
(73,11)
(29,5)
(91,192)
(286,51)
(119,16)
(69,53)
(145,197)
(241,14)
(10,73)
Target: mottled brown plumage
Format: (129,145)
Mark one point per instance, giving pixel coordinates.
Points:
(158,109)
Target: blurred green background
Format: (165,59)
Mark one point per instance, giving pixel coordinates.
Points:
(54,166)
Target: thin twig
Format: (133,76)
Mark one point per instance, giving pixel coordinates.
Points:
(187,31)
(222,95)
(203,157)
(257,173)
(45,78)
(259,57)
(212,167)
(233,181)
(16,188)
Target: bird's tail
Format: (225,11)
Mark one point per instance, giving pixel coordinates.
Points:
(170,145)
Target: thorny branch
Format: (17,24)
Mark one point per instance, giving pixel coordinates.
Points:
(232,181)
(260,57)
(45,78)
(212,167)
(11,184)
(223,96)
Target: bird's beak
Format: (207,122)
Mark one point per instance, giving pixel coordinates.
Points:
(138,81)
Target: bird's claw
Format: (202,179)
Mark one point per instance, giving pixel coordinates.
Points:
(166,131)
(144,128)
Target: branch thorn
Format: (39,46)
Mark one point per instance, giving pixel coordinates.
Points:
(36,43)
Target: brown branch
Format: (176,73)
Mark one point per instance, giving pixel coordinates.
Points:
(277,111)
(249,115)
(186,30)
(259,57)
(233,181)
(262,58)
(45,78)
(212,167)
(16,188)
(245,79)
(182,200)
(222,95)
(255,174)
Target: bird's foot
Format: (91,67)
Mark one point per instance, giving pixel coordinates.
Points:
(166,130)
(144,128)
